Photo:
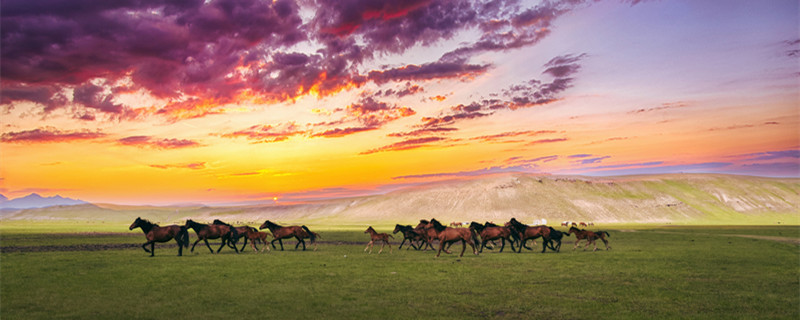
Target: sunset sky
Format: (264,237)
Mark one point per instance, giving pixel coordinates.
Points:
(230,101)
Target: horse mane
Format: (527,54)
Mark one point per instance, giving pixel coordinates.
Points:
(220,222)
(477,226)
(489,224)
(437,225)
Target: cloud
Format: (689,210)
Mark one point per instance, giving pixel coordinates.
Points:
(50,135)
(195,57)
(542,141)
(151,142)
(192,166)
(662,107)
(268,133)
(771,155)
(406,145)
(501,137)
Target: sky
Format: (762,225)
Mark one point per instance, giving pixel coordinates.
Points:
(236,101)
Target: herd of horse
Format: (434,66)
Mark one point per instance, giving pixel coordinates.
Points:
(478,236)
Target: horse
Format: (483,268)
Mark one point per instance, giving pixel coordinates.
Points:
(452,235)
(408,234)
(298,232)
(488,233)
(375,236)
(555,236)
(226,233)
(590,237)
(428,235)
(254,235)
(582,224)
(525,232)
(240,232)
(565,224)
(155,233)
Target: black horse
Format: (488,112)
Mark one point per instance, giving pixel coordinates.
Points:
(410,235)
(555,236)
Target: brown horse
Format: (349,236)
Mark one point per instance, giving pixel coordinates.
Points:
(451,235)
(409,234)
(590,237)
(428,235)
(204,232)
(375,236)
(240,233)
(489,233)
(155,233)
(254,235)
(525,232)
(298,232)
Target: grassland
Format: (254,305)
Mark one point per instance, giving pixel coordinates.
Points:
(651,272)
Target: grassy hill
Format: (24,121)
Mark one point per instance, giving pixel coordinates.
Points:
(661,199)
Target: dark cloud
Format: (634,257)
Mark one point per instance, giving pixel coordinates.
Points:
(48,135)
(428,71)
(268,133)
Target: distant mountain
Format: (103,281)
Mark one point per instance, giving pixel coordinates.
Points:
(34,200)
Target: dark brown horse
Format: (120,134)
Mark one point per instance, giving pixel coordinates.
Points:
(492,233)
(409,234)
(240,233)
(590,237)
(525,232)
(451,235)
(556,236)
(298,232)
(375,236)
(155,233)
(226,233)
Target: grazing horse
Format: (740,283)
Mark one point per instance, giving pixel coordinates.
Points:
(489,233)
(298,232)
(254,235)
(240,233)
(226,233)
(590,237)
(408,234)
(375,236)
(582,224)
(428,235)
(451,235)
(525,232)
(155,233)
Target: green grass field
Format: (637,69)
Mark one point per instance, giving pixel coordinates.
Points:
(651,272)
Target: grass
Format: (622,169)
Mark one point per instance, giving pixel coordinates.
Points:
(653,272)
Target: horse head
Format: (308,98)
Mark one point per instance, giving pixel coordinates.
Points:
(135,223)
(476,226)
(435,224)
(268,225)
(397,228)
(370,230)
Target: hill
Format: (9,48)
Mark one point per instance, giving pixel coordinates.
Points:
(34,200)
(662,199)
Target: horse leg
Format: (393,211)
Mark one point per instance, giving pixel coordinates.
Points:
(152,248)
(209,246)
(441,246)
(144,246)
(245,244)
(381,250)
(502,244)
(180,247)
(369,244)
(301,241)
(606,243)
(195,243)
(464,247)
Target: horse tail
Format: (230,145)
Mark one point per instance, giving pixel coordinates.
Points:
(234,235)
(607,235)
(474,236)
(310,234)
(183,236)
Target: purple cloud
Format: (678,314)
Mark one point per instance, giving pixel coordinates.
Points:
(49,135)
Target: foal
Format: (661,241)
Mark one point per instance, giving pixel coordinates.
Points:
(590,237)
(375,236)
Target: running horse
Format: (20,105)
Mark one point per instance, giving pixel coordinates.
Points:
(226,233)
(408,234)
(590,237)
(493,232)
(525,232)
(375,236)
(155,233)
(240,233)
(556,236)
(428,235)
(451,235)
(298,232)
(254,235)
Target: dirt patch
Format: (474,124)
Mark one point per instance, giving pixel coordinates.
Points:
(75,247)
